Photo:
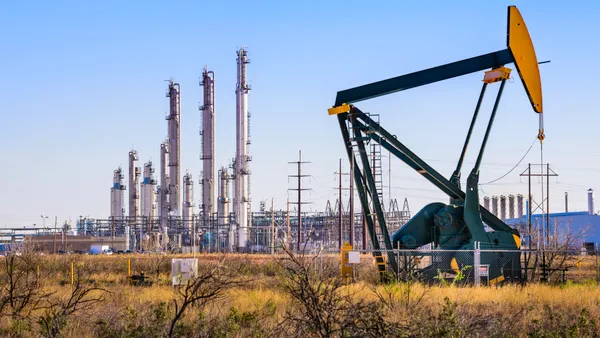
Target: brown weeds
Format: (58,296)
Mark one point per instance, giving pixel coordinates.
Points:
(271,296)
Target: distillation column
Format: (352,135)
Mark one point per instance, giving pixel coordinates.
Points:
(134,197)
(223,207)
(241,198)
(148,197)
(163,192)
(174,147)
(187,210)
(117,201)
(208,143)
(520,206)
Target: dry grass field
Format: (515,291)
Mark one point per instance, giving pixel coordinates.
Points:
(274,296)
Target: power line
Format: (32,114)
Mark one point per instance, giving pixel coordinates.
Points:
(513,168)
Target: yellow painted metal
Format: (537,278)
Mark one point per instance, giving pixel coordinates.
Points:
(497,280)
(454,265)
(496,74)
(344,108)
(72,274)
(517,241)
(128,267)
(346,266)
(381,261)
(520,44)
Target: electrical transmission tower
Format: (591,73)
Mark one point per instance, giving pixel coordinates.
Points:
(340,210)
(543,237)
(299,176)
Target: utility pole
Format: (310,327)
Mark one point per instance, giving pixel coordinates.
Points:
(351,209)
(272,226)
(340,209)
(67,226)
(340,228)
(287,222)
(54,240)
(299,190)
(543,237)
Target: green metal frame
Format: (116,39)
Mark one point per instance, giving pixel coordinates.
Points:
(424,77)
(460,224)
(366,129)
(378,134)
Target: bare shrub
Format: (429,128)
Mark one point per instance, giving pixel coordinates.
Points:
(207,287)
(21,289)
(159,264)
(320,307)
(57,311)
(560,251)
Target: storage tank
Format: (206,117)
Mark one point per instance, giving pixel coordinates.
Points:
(503,208)
(511,206)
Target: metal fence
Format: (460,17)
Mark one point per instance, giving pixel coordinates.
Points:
(491,267)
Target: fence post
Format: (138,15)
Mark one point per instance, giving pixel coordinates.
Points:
(398,261)
(477,263)
(597,266)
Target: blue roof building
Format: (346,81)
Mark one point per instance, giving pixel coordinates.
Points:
(582,226)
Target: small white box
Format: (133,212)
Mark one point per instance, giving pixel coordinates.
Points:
(354,257)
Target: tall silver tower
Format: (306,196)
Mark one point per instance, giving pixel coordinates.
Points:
(148,195)
(163,191)
(134,195)
(241,197)
(188,202)
(174,147)
(207,134)
(117,203)
(223,205)
(117,210)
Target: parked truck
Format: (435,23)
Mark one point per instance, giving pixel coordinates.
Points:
(100,250)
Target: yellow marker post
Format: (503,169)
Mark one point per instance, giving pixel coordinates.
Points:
(346,266)
(72,275)
(128,267)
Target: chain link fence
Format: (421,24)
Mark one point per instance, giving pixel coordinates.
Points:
(492,267)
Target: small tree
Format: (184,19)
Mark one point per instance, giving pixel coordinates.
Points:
(208,286)
(321,308)
(555,247)
(21,289)
(57,312)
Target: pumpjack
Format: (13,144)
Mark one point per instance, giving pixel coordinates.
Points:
(463,223)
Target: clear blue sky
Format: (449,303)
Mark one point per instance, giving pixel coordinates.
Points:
(83,83)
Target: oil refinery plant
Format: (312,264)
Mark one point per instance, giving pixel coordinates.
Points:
(164,215)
